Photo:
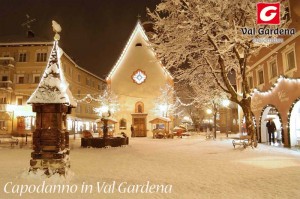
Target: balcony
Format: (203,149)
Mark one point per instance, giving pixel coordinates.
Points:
(6,85)
(7,62)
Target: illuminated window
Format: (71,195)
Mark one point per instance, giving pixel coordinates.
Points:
(139,107)
(69,124)
(290,56)
(123,124)
(289,60)
(22,57)
(139,76)
(3,125)
(3,100)
(36,79)
(19,101)
(273,69)
(21,79)
(250,82)
(41,57)
(27,123)
(260,74)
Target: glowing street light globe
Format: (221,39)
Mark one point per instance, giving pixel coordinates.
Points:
(104,109)
(226,102)
(208,111)
(163,107)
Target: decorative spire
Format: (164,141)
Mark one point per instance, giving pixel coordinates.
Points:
(56,28)
(53,87)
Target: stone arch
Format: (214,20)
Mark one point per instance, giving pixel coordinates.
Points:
(263,137)
(293,114)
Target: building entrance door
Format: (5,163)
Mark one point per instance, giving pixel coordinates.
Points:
(139,125)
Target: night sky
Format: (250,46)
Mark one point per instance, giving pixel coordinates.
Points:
(94,32)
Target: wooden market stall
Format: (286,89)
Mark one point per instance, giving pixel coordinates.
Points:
(161,127)
(111,127)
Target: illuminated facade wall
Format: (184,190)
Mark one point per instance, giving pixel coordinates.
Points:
(137,97)
(21,67)
(273,75)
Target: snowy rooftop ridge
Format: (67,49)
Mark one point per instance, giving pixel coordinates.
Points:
(53,88)
(138,29)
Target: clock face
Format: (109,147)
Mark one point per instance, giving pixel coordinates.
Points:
(139,76)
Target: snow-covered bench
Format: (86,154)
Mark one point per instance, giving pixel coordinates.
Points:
(7,138)
(244,140)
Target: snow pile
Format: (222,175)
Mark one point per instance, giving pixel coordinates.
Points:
(53,88)
(53,178)
(195,168)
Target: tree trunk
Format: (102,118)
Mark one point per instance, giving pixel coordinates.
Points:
(215,125)
(246,107)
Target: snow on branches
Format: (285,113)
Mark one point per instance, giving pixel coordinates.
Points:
(109,103)
(165,105)
(205,35)
(195,38)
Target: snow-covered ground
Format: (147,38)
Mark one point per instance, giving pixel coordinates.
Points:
(193,167)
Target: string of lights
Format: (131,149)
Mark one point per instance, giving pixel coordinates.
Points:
(280,78)
(184,104)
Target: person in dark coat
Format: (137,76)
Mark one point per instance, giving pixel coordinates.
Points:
(132,131)
(271,129)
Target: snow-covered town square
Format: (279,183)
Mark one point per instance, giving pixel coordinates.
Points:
(150,99)
(193,166)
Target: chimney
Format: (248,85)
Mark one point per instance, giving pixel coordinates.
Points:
(30,34)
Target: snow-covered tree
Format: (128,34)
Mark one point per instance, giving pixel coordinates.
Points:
(165,103)
(204,94)
(199,37)
(212,100)
(109,104)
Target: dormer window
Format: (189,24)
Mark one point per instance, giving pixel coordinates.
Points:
(138,44)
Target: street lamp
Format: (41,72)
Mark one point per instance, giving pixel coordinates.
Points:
(209,111)
(163,108)
(225,104)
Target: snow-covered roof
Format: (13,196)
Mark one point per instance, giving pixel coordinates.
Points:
(160,119)
(138,29)
(178,127)
(53,87)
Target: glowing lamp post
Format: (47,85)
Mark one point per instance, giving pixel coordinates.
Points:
(209,111)
(163,108)
(226,103)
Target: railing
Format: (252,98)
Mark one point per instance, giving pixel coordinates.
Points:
(6,85)
(7,61)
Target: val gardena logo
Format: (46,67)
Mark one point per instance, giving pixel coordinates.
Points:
(268,14)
